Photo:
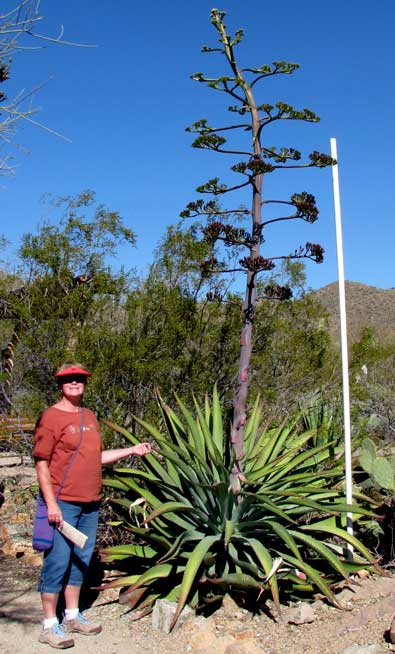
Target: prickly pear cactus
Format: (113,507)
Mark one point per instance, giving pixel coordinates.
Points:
(383,474)
(379,468)
(368,455)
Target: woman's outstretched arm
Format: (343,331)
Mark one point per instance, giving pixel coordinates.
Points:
(110,456)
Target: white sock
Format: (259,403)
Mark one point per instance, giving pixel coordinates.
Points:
(70,614)
(50,622)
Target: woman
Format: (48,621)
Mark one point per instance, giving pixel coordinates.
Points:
(71,487)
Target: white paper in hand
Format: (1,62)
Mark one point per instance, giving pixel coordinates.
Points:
(75,535)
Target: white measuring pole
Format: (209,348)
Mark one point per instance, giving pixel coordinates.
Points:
(344,344)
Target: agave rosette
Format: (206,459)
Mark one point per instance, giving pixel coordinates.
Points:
(197,539)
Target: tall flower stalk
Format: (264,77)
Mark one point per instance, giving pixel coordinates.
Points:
(258,161)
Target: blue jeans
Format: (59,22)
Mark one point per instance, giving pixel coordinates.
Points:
(66,564)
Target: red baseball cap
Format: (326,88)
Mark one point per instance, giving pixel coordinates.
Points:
(73,370)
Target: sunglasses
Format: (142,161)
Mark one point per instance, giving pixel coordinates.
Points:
(68,379)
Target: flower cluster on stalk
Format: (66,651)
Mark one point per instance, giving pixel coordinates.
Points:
(258,166)
(315,251)
(320,159)
(208,266)
(276,292)
(217,231)
(305,206)
(256,264)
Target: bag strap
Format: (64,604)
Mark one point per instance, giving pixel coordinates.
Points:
(74,453)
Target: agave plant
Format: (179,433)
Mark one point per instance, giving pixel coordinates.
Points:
(323,417)
(197,539)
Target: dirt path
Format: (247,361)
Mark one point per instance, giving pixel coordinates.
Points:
(370,606)
(332,631)
(20,617)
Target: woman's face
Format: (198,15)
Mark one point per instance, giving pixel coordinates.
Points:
(73,386)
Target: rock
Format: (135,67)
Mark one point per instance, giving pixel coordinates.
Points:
(109,595)
(4,533)
(228,604)
(244,634)
(231,609)
(20,518)
(319,605)
(222,645)
(301,614)
(376,648)
(10,460)
(163,614)
(201,625)
(347,595)
(362,591)
(248,646)
(201,637)
(363,574)
(200,634)
(202,642)
(17,530)
(9,549)
(32,558)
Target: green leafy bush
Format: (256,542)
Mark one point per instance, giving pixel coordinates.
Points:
(196,539)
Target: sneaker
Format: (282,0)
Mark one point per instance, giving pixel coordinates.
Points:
(81,625)
(57,637)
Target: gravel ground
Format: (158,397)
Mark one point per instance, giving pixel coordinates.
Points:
(369,607)
(370,611)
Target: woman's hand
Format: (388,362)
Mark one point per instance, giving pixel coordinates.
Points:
(141,449)
(55,515)
(111,456)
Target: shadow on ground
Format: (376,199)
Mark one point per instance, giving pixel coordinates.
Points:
(19,600)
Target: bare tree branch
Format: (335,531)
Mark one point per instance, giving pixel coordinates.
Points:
(17,31)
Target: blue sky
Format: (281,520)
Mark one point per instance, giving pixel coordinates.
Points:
(125,105)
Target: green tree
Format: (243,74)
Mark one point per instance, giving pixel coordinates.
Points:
(168,334)
(209,341)
(292,356)
(258,161)
(372,383)
(63,287)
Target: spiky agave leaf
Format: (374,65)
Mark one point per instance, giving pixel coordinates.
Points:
(194,562)
(204,535)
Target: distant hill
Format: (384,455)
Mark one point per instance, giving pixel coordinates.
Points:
(365,306)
